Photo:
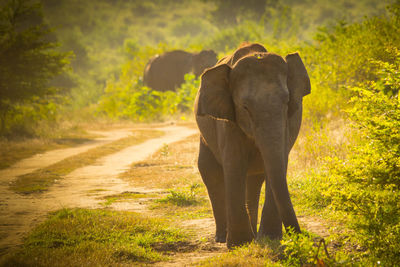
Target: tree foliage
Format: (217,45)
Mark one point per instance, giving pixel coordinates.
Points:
(28,59)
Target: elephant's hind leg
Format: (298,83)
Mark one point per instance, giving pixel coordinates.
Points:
(253,188)
(212,175)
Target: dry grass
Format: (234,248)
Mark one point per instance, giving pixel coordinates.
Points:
(42,179)
(253,254)
(172,166)
(315,144)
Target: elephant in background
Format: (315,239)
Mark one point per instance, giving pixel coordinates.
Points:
(166,72)
(249,111)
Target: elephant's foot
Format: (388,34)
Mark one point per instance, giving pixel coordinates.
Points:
(273,232)
(238,238)
(220,237)
(271,235)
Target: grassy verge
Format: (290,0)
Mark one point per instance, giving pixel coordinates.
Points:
(42,179)
(125,196)
(80,237)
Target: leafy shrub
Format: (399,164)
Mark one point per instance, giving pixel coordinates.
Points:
(304,249)
(140,103)
(187,93)
(367,187)
(298,249)
(342,53)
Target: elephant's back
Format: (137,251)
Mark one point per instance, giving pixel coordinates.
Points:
(166,71)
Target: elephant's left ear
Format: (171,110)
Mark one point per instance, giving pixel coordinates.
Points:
(298,82)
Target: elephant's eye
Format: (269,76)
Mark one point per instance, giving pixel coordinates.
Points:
(245,107)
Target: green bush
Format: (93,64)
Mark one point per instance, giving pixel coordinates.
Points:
(367,187)
(342,53)
(140,103)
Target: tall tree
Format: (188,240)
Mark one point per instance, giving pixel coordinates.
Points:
(28,59)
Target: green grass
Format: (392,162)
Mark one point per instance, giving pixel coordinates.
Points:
(184,197)
(184,203)
(125,196)
(42,179)
(81,237)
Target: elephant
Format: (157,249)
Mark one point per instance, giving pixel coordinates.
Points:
(249,110)
(166,72)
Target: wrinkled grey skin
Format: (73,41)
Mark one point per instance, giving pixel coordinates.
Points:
(166,72)
(249,110)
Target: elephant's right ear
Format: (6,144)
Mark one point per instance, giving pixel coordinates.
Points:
(214,97)
(298,82)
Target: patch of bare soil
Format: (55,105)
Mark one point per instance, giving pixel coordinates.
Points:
(201,247)
(84,187)
(314,225)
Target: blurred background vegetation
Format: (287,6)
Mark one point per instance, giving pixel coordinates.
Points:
(91,54)
(64,62)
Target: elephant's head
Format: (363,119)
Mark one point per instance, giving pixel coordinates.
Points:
(203,60)
(261,93)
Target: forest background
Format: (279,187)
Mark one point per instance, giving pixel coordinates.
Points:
(65,63)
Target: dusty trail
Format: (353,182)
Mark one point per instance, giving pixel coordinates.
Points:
(43,160)
(19,213)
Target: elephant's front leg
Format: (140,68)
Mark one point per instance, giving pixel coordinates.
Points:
(271,222)
(239,227)
(213,178)
(253,188)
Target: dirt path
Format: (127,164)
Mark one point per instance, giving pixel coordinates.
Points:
(19,213)
(39,161)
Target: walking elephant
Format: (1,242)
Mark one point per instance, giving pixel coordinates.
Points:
(166,72)
(249,111)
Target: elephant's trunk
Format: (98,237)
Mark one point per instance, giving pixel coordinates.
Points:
(273,143)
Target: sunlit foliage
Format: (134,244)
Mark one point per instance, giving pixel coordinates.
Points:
(368,182)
